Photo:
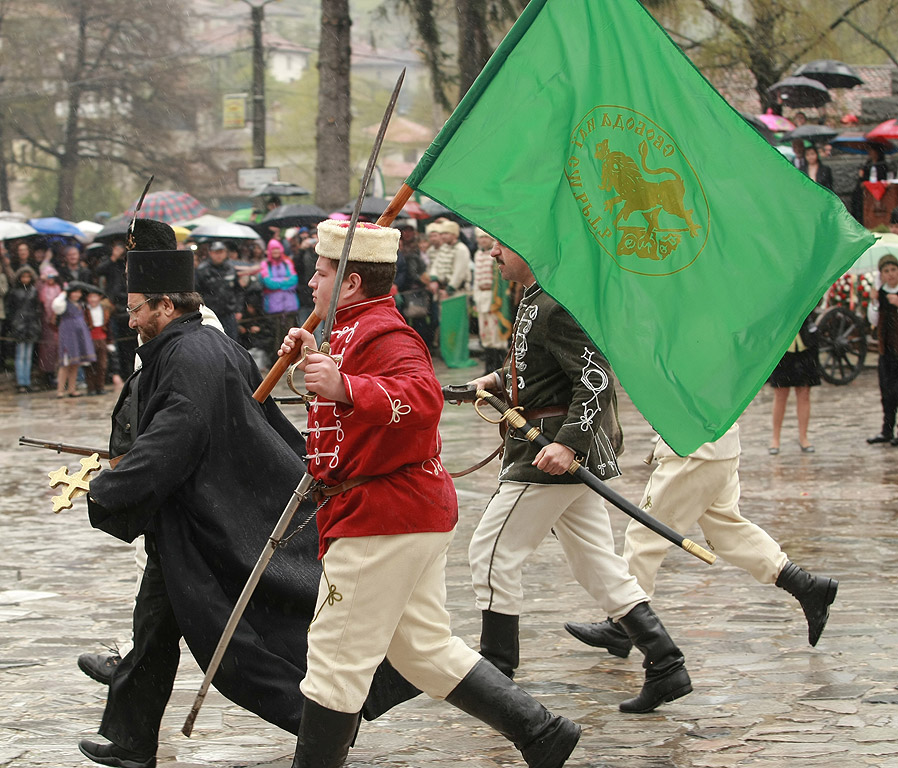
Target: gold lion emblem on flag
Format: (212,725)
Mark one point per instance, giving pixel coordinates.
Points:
(640,198)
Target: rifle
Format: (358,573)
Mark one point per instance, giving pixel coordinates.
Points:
(78,450)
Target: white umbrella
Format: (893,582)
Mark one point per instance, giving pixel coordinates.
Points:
(9,230)
(867,261)
(89,228)
(225,230)
(200,221)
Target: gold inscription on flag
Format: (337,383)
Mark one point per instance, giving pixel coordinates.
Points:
(639,196)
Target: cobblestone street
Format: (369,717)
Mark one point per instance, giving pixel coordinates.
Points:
(762,696)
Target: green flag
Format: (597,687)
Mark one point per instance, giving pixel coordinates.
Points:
(455,331)
(686,247)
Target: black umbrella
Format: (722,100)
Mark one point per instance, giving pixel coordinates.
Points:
(857,144)
(280,189)
(818,134)
(115,229)
(800,92)
(755,122)
(293,215)
(833,74)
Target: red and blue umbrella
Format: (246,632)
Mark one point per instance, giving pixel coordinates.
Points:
(169,206)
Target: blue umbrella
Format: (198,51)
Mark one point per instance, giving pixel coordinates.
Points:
(54,226)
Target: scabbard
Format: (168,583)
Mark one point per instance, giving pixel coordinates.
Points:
(534,435)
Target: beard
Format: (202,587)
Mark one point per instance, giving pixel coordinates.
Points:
(150,329)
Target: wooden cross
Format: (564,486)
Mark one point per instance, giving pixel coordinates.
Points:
(77,484)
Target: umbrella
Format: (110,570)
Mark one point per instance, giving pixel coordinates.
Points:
(294,215)
(887,130)
(10,230)
(54,226)
(777,123)
(279,188)
(819,134)
(169,206)
(243,215)
(800,92)
(115,229)
(867,261)
(373,207)
(225,230)
(760,126)
(833,74)
(202,221)
(857,144)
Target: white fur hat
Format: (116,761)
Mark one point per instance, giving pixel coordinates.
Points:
(370,243)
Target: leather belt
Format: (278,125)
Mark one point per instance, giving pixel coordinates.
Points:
(545,413)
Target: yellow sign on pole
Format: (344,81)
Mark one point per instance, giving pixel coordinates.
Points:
(233,110)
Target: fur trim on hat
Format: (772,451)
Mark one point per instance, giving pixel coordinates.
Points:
(370,243)
(451,227)
(152,235)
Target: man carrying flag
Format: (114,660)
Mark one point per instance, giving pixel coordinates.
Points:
(604,158)
(558,377)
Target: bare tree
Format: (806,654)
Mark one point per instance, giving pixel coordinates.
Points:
(769,37)
(92,81)
(332,129)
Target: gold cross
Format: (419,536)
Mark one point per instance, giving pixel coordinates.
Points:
(78,484)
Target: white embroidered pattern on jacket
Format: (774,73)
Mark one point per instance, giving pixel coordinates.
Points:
(316,429)
(348,331)
(317,455)
(432,466)
(596,381)
(524,323)
(400,409)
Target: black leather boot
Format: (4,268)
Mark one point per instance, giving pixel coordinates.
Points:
(814,593)
(499,641)
(604,634)
(324,737)
(545,740)
(666,677)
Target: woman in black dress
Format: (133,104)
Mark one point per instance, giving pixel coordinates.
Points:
(799,370)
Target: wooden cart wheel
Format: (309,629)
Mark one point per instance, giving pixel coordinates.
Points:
(843,345)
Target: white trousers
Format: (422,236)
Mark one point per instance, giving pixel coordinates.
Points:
(685,491)
(383,597)
(518,518)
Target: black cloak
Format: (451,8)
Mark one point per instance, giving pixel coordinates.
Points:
(209,474)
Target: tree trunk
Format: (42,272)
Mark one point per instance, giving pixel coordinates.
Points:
(474,48)
(332,128)
(71,144)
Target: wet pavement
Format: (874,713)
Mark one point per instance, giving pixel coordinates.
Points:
(762,695)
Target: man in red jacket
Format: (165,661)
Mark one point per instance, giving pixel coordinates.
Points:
(386,522)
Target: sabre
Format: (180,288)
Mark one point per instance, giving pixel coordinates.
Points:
(307,481)
(515,420)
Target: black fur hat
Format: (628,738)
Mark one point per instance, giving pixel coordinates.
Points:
(155,265)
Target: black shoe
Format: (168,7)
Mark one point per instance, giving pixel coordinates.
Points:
(499,643)
(324,736)
(544,740)
(815,594)
(112,754)
(880,438)
(666,677)
(604,634)
(99,666)
(894,441)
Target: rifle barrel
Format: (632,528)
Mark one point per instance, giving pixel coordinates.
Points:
(78,450)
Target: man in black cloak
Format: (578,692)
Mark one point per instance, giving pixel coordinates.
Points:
(205,474)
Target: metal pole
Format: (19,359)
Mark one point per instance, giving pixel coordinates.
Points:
(258,14)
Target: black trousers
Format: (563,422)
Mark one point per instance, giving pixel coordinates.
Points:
(142,683)
(888,388)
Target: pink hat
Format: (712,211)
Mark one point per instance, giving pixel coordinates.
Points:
(274,245)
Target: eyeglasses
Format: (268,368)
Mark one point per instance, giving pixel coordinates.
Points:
(132,310)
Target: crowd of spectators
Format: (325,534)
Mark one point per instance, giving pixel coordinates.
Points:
(63,306)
